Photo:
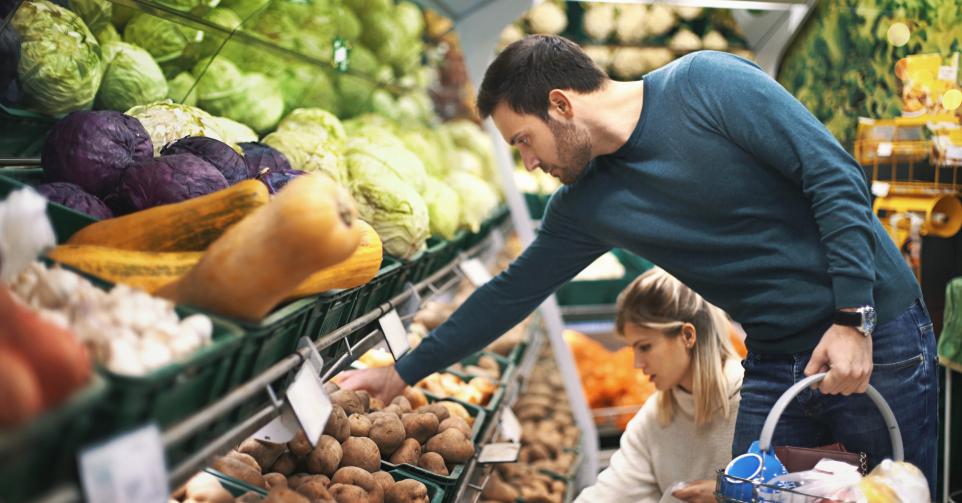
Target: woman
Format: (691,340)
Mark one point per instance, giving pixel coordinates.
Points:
(683,434)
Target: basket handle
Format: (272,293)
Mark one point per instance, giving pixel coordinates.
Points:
(765,442)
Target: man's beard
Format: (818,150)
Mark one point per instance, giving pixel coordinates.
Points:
(573,147)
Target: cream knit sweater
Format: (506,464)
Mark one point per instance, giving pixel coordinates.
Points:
(652,458)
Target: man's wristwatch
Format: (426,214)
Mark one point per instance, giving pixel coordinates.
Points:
(862,318)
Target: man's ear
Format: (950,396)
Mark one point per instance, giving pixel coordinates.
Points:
(559,105)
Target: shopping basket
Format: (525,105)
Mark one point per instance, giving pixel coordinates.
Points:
(730,489)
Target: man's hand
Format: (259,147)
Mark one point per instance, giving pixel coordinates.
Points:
(697,491)
(383,383)
(846,355)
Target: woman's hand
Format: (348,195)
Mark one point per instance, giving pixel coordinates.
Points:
(697,491)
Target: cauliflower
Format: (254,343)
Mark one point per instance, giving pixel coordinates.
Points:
(714,41)
(599,21)
(688,13)
(510,34)
(548,19)
(659,20)
(630,25)
(628,62)
(656,57)
(685,40)
(600,54)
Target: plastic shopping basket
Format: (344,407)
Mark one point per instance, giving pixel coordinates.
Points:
(731,489)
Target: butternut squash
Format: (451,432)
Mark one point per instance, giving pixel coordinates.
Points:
(309,225)
(190,225)
(357,270)
(145,270)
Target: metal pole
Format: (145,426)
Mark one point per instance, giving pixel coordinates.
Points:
(947,451)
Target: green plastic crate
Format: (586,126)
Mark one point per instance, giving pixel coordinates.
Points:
(448,483)
(380,289)
(36,456)
(270,340)
(23,132)
(436,493)
(331,310)
(65,221)
(435,257)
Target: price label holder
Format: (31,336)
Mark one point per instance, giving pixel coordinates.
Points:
(475,271)
(510,426)
(949,73)
(409,307)
(129,467)
(885,149)
(307,397)
(341,54)
(394,334)
(503,452)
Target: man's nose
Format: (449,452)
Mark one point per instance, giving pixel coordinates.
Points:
(531,162)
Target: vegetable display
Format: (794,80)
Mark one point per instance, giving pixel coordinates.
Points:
(131,77)
(168,179)
(74,197)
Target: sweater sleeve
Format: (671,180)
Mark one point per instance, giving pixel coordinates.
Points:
(740,102)
(630,476)
(559,252)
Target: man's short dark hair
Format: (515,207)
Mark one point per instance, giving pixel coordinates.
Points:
(527,70)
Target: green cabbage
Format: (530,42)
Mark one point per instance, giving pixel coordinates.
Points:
(96,14)
(257,102)
(181,5)
(423,143)
(60,60)
(355,95)
(348,25)
(178,89)
(164,40)
(444,208)
(108,34)
(132,78)
(410,17)
(478,199)
(213,40)
(307,152)
(166,122)
(395,209)
(315,121)
(234,131)
(307,86)
(383,104)
(398,159)
(216,78)
(244,8)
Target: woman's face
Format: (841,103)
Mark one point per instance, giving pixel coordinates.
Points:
(665,359)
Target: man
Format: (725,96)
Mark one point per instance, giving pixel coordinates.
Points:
(711,170)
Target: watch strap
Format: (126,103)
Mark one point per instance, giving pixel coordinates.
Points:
(848,319)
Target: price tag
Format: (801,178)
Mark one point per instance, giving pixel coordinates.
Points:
(880,189)
(341,55)
(884,149)
(510,426)
(506,452)
(476,272)
(129,467)
(950,73)
(394,334)
(310,402)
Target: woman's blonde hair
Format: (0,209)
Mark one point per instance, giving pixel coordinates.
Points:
(658,301)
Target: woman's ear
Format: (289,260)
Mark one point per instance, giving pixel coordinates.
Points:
(689,335)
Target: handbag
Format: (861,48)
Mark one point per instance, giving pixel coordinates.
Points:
(800,459)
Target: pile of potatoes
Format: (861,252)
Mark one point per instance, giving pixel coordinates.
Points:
(477,391)
(520,482)
(345,465)
(486,367)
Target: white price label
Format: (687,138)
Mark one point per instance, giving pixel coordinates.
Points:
(129,467)
(880,189)
(885,149)
(510,426)
(950,73)
(394,334)
(310,402)
(499,453)
(475,271)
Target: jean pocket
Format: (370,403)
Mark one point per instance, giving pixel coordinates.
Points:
(904,364)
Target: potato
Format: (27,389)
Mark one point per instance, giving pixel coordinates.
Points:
(437,409)
(361,478)
(285,495)
(286,464)
(202,481)
(346,493)
(420,426)
(409,452)
(403,403)
(385,480)
(488,363)
(387,431)
(275,479)
(338,426)
(433,462)
(347,400)
(326,456)
(456,423)
(361,452)
(415,397)
(247,459)
(314,490)
(264,453)
(407,491)
(300,446)
(206,488)
(365,399)
(331,387)
(232,467)
(295,480)
(456,409)
(393,409)
(452,445)
(249,497)
(360,425)
(375,404)
(498,490)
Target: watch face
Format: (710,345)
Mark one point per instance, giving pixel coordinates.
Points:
(868,320)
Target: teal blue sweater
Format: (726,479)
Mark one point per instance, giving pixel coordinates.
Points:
(729,184)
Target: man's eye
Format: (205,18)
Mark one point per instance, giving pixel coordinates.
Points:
(644,348)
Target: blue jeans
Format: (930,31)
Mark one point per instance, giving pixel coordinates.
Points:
(903,351)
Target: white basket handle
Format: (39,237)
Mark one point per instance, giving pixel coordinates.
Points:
(765,442)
